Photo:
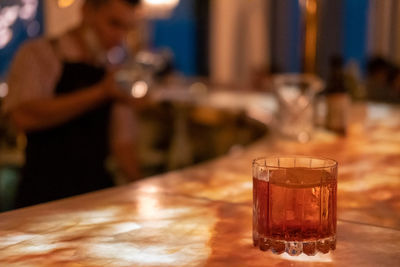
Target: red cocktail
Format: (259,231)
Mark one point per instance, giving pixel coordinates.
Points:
(294,204)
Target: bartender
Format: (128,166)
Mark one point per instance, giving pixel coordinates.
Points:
(64,97)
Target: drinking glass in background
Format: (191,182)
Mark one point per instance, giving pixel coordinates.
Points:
(294,204)
(295,95)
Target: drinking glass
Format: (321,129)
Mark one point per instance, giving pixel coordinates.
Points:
(295,94)
(294,204)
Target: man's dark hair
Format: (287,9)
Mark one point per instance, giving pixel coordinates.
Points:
(97,3)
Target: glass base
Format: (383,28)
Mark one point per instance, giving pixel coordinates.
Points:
(295,248)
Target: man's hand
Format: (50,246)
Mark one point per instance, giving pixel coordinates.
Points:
(113,92)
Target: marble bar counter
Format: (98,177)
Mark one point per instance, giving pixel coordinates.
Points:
(202,215)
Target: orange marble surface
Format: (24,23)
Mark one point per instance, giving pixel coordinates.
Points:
(201,216)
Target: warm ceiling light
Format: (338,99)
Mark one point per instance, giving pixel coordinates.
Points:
(159,8)
(65,3)
(162,2)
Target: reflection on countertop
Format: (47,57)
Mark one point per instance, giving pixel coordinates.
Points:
(201,216)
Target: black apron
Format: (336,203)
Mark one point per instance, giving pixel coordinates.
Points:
(68,159)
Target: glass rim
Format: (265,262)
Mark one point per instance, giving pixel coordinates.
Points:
(312,80)
(332,162)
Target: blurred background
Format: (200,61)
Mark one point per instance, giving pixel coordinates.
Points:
(233,42)
(235,45)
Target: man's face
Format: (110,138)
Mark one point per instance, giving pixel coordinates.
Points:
(111,21)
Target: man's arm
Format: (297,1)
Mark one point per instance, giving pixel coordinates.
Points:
(43,113)
(31,103)
(123,140)
(125,156)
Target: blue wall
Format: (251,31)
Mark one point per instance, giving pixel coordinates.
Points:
(355,30)
(295,38)
(178,33)
(19,36)
(343,26)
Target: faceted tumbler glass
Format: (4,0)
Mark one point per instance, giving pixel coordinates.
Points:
(294,204)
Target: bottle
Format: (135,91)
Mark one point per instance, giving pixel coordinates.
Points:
(337,98)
